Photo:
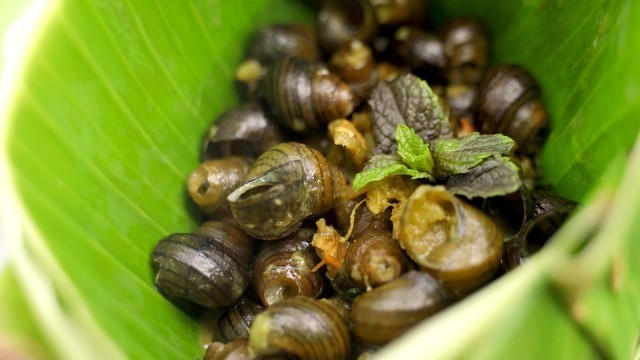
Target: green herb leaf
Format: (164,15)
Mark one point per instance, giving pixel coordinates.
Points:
(495,176)
(406,100)
(413,151)
(459,155)
(382,166)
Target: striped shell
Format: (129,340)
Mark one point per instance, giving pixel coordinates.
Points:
(301,326)
(209,267)
(287,184)
(303,95)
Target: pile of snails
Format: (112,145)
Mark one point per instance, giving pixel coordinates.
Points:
(298,264)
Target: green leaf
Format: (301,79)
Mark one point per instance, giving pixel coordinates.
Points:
(382,166)
(494,176)
(406,100)
(413,151)
(458,155)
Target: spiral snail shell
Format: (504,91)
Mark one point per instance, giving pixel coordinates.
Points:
(213,180)
(509,102)
(301,326)
(208,267)
(303,95)
(244,131)
(287,184)
(449,238)
(340,22)
(465,45)
(274,41)
(282,268)
(384,313)
(235,322)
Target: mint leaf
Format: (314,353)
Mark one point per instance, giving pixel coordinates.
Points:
(459,155)
(413,151)
(494,176)
(406,100)
(382,166)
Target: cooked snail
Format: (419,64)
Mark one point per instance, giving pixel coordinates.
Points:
(274,41)
(209,267)
(236,350)
(304,95)
(451,239)
(301,326)
(401,12)
(384,313)
(465,45)
(244,131)
(423,52)
(373,258)
(354,64)
(282,269)
(212,181)
(235,322)
(509,103)
(340,22)
(287,184)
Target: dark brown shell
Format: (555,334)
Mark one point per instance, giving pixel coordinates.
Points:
(282,269)
(301,326)
(423,52)
(235,322)
(244,131)
(461,99)
(274,41)
(466,48)
(509,103)
(303,95)
(384,313)
(287,184)
(209,267)
(212,181)
(401,12)
(454,241)
(340,22)
(373,258)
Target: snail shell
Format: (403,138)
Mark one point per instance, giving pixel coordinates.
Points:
(401,12)
(301,326)
(340,22)
(363,218)
(304,95)
(423,52)
(235,322)
(212,181)
(274,41)
(384,313)
(457,243)
(287,184)
(465,45)
(236,350)
(509,103)
(282,269)
(244,131)
(373,258)
(208,267)
(355,65)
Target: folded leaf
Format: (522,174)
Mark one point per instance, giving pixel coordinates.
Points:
(413,151)
(459,155)
(382,166)
(495,176)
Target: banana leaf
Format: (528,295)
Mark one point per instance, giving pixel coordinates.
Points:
(103,110)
